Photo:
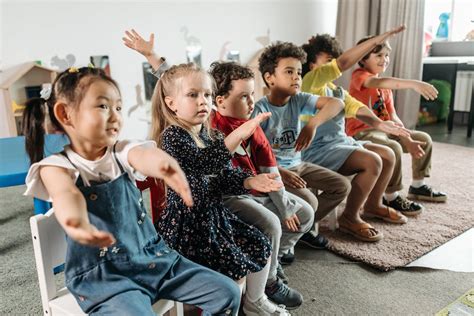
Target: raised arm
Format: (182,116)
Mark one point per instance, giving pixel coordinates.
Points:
(134,41)
(351,56)
(244,131)
(427,90)
(328,108)
(154,162)
(70,208)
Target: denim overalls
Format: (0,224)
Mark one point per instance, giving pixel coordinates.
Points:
(129,276)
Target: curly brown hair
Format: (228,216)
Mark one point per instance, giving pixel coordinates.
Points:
(321,43)
(226,72)
(375,50)
(272,54)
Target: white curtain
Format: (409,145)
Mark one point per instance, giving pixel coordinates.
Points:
(359,18)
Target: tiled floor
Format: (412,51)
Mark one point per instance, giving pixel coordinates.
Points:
(439,133)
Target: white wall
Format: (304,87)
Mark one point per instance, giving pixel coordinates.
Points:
(39,30)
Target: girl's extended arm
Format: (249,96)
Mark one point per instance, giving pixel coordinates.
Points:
(365,115)
(425,89)
(134,41)
(154,162)
(70,208)
(354,54)
(328,108)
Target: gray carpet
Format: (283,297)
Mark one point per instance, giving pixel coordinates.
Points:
(439,223)
(330,284)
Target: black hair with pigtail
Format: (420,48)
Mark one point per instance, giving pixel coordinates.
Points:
(69,86)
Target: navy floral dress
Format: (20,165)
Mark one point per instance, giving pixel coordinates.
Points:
(208,233)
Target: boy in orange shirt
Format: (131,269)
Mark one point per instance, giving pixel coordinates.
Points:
(376,92)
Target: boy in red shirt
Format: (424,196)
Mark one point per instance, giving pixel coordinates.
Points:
(376,93)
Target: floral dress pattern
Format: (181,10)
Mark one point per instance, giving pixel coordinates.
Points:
(208,233)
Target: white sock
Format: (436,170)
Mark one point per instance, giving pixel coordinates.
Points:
(256,284)
(417,183)
(391,196)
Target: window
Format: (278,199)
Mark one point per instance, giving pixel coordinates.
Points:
(449,20)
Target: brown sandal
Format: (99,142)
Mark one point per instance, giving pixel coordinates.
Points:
(360,231)
(392,216)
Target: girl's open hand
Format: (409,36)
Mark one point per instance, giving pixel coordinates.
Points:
(173,175)
(264,182)
(87,234)
(427,90)
(134,41)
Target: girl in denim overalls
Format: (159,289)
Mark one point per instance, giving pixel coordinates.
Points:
(116,263)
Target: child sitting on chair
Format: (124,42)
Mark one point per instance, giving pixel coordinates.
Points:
(376,92)
(116,263)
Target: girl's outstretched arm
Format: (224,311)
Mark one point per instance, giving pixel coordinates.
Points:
(134,41)
(156,163)
(70,208)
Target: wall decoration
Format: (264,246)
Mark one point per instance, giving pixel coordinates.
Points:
(101,61)
(228,54)
(63,63)
(193,47)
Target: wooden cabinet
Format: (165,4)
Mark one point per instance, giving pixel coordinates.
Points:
(13,93)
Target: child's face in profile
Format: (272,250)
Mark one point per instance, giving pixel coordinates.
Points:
(97,120)
(239,103)
(287,77)
(377,63)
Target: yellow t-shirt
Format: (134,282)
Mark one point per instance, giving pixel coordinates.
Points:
(319,79)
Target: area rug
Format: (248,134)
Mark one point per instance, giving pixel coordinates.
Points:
(461,307)
(453,173)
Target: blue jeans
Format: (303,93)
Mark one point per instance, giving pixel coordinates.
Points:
(187,282)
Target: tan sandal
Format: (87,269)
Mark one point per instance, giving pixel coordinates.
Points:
(361,231)
(392,216)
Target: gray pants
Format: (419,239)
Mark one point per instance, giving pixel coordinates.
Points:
(260,212)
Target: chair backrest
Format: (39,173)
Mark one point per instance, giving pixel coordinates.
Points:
(157,196)
(49,244)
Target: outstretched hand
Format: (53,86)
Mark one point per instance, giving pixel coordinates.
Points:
(248,128)
(134,41)
(427,90)
(170,171)
(392,32)
(390,127)
(87,234)
(415,149)
(264,182)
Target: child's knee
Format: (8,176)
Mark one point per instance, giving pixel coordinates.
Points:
(229,299)
(374,163)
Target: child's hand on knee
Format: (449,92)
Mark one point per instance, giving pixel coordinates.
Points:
(292,223)
(264,182)
(415,148)
(291,179)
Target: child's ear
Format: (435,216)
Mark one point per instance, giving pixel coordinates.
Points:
(220,101)
(62,113)
(311,65)
(170,103)
(268,78)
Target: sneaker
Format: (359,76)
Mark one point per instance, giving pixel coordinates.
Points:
(402,204)
(264,307)
(281,274)
(287,258)
(316,242)
(426,193)
(280,293)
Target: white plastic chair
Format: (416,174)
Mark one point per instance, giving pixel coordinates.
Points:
(49,244)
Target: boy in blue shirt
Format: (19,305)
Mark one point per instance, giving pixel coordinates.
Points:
(281,66)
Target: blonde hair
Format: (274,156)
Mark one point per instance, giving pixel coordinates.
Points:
(162,115)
